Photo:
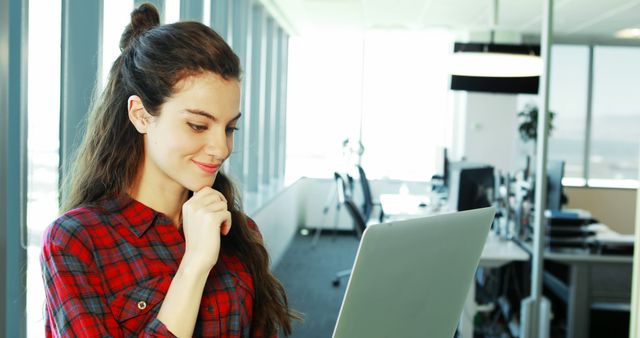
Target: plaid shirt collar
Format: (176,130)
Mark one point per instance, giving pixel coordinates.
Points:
(132,213)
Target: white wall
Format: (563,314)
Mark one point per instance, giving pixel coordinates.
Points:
(488,130)
(278,220)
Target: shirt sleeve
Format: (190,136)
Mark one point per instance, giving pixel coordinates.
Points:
(76,305)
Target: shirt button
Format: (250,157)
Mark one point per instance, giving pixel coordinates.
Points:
(142,305)
(210,308)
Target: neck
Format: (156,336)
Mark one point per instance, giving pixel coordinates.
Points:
(165,198)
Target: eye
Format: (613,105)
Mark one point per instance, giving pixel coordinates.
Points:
(231,130)
(197,127)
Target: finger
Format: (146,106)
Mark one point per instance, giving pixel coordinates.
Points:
(225,227)
(206,200)
(217,206)
(219,194)
(208,191)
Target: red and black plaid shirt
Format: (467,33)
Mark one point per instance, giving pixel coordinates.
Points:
(107,268)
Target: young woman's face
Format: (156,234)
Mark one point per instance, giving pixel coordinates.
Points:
(193,134)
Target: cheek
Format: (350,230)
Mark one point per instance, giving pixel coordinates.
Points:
(174,143)
(186,144)
(230,144)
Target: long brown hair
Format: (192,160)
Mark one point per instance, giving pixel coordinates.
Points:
(154,58)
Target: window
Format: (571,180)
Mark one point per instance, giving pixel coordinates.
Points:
(389,90)
(115,18)
(616,116)
(43,144)
(323,106)
(610,140)
(568,100)
(407,116)
(171,11)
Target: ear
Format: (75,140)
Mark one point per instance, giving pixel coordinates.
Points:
(138,115)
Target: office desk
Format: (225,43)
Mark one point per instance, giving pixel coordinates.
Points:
(577,292)
(496,253)
(403,206)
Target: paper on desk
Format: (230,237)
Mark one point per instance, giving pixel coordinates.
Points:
(604,234)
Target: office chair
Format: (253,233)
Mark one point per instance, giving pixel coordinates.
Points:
(342,190)
(368,203)
(359,225)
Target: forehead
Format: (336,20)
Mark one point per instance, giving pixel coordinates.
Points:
(205,82)
(207,92)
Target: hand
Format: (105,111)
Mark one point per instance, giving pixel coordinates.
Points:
(204,217)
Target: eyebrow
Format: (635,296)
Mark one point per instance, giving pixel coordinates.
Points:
(209,115)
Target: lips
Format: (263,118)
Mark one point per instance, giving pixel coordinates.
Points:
(207,167)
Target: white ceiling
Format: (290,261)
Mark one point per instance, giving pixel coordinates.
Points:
(574,19)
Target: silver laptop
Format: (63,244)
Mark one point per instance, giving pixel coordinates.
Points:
(410,278)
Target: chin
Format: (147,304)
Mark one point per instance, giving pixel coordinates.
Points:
(198,185)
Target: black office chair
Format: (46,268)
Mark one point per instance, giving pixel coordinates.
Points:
(359,225)
(343,190)
(368,204)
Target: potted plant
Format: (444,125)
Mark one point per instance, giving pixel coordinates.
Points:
(528,130)
(528,127)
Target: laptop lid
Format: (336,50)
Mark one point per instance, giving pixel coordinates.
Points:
(410,278)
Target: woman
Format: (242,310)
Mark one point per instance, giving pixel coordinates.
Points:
(153,241)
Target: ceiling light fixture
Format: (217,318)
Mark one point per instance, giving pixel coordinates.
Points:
(628,33)
(495,60)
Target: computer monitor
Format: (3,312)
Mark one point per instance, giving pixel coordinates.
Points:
(555,172)
(472,186)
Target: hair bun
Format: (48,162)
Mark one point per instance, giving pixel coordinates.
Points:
(143,18)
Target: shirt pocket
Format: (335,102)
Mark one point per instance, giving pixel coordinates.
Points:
(134,307)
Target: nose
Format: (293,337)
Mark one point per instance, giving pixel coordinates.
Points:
(218,145)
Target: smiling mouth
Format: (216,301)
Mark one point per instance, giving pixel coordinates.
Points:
(208,168)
